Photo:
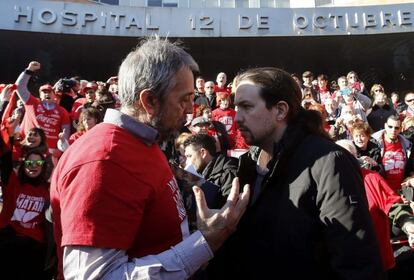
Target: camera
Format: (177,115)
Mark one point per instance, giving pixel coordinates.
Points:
(65,85)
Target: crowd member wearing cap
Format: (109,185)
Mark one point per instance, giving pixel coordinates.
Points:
(216,129)
(43,113)
(89,97)
(219,169)
(200,125)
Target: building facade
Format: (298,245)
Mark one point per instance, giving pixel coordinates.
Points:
(90,38)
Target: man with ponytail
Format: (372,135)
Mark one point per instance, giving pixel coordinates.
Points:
(307,217)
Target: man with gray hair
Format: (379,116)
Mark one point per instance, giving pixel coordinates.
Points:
(117,207)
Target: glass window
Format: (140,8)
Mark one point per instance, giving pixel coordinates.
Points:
(196,3)
(170,3)
(211,3)
(110,2)
(227,3)
(242,4)
(282,4)
(267,3)
(154,3)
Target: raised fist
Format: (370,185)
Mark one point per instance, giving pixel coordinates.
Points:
(34,66)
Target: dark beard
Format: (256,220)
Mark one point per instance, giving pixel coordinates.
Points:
(164,133)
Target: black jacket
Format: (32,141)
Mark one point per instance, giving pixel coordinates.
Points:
(202,99)
(310,221)
(373,151)
(221,171)
(378,116)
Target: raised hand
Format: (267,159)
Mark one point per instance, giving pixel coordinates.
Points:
(217,225)
(33,66)
(6,93)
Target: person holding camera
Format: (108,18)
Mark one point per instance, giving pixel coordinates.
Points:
(44,112)
(65,93)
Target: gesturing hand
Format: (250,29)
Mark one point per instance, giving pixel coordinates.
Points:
(410,232)
(217,225)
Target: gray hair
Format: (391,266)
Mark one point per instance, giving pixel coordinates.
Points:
(152,66)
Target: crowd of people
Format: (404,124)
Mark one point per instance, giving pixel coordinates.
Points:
(158,173)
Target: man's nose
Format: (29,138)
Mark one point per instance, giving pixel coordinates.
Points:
(189,107)
(238,117)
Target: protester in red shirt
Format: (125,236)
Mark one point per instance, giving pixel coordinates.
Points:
(22,236)
(221,84)
(89,92)
(395,151)
(43,113)
(226,115)
(87,120)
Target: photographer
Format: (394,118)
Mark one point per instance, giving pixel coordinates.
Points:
(65,93)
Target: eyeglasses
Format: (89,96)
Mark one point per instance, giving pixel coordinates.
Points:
(34,163)
(409,100)
(393,127)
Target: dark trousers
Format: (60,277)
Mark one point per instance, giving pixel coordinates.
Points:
(20,257)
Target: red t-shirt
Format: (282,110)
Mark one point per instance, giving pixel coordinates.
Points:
(227,117)
(50,121)
(394,162)
(24,207)
(380,199)
(111,190)
(75,136)
(77,108)
(218,89)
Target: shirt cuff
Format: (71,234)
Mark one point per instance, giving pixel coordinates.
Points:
(29,72)
(194,251)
